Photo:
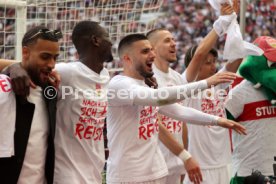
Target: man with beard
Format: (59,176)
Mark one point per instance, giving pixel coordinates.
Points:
(164,46)
(132,122)
(82,106)
(28,155)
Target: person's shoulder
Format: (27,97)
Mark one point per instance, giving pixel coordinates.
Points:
(6,92)
(4,77)
(5,83)
(65,67)
(243,86)
(173,72)
(121,81)
(118,79)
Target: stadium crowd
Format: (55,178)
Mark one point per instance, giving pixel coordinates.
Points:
(191,20)
(188,20)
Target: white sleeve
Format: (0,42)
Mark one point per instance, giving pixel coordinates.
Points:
(166,95)
(123,92)
(187,114)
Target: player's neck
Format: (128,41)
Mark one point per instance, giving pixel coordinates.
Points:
(93,65)
(162,65)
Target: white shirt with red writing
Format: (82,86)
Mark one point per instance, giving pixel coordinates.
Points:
(256,150)
(209,145)
(174,163)
(81,111)
(7,121)
(132,132)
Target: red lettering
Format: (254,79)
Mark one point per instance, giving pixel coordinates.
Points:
(156,125)
(150,130)
(93,112)
(104,111)
(79,128)
(99,133)
(83,110)
(88,111)
(4,85)
(143,113)
(87,133)
(169,127)
(142,131)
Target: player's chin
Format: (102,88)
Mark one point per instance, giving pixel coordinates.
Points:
(172,60)
(109,58)
(43,80)
(150,74)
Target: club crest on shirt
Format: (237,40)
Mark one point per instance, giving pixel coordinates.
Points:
(98,88)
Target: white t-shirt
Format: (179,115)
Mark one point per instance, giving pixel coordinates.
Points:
(172,78)
(33,169)
(256,150)
(7,120)
(209,145)
(81,110)
(132,132)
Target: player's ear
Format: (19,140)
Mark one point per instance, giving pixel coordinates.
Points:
(95,40)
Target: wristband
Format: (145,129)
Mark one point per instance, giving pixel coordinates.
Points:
(216,120)
(184,155)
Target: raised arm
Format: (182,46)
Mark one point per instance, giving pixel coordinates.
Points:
(233,66)
(200,54)
(204,47)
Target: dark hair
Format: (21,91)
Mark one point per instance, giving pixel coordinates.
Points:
(191,52)
(82,33)
(128,40)
(40,32)
(153,31)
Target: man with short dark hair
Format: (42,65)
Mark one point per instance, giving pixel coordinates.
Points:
(82,107)
(31,159)
(132,121)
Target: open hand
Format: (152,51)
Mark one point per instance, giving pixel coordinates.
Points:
(193,170)
(226,123)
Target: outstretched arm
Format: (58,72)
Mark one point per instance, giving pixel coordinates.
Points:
(194,116)
(169,95)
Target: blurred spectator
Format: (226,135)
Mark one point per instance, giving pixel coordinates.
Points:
(191,20)
(188,20)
